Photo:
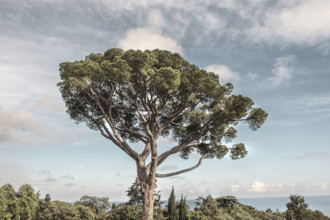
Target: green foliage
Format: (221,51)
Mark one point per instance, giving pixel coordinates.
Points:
(172,212)
(125,212)
(208,206)
(134,193)
(44,209)
(183,209)
(11,201)
(63,210)
(222,208)
(4,209)
(27,201)
(297,207)
(188,101)
(98,205)
(84,213)
(135,198)
(227,201)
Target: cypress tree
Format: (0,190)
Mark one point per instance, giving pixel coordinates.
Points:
(183,209)
(172,214)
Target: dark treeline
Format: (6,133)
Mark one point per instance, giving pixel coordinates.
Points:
(26,204)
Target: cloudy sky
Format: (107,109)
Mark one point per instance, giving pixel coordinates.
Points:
(276,52)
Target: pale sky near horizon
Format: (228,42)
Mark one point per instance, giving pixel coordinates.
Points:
(275,52)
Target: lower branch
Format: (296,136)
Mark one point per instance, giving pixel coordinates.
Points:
(182,171)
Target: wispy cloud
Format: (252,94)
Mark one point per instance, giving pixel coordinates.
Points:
(316,105)
(314,155)
(15,125)
(67,177)
(45,172)
(168,167)
(283,70)
(50,179)
(49,104)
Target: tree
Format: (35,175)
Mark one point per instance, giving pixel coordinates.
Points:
(171,206)
(125,212)
(44,209)
(131,96)
(208,206)
(28,202)
(4,210)
(11,200)
(134,193)
(64,210)
(183,209)
(227,201)
(98,205)
(297,207)
(84,213)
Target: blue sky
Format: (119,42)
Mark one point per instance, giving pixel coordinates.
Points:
(276,52)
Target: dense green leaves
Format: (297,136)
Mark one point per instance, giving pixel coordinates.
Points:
(4,209)
(98,205)
(28,202)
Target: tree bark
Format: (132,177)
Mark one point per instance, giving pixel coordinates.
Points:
(148,203)
(147,181)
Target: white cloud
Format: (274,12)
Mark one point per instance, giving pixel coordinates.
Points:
(282,70)
(257,186)
(224,72)
(235,188)
(300,22)
(146,38)
(150,36)
(318,186)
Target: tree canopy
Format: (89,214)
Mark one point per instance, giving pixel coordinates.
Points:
(135,95)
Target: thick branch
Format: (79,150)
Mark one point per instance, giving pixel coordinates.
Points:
(180,147)
(141,137)
(182,171)
(173,116)
(124,146)
(108,134)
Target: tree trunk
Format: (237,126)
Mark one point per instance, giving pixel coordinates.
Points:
(148,180)
(148,200)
